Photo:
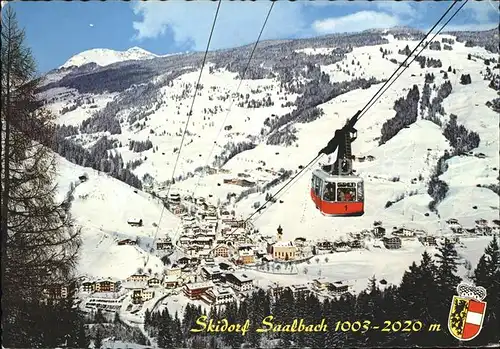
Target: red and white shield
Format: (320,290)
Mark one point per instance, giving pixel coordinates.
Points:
(466,317)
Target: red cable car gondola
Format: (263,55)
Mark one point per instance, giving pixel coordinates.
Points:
(335,189)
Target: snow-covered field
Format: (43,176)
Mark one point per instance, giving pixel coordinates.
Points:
(102,206)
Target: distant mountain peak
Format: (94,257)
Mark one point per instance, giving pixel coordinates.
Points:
(103,56)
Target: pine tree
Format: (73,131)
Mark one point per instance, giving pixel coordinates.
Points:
(487,275)
(446,282)
(98,339)
(39,247)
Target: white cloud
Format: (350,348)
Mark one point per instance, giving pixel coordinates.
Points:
(238,23)
(356,22)
(401,9)
(91,25)
(483,11)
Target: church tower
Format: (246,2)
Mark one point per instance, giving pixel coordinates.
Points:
(280,233)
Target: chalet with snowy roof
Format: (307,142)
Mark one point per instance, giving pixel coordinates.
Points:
(378,232)
(338,288)
(174,269)
(222,250)
(106,286)
(452,221)
(138,278)
(174,199)
(154,282)
(219,296)
(246,255)
(83,178)
(211,273)
(127,242)
(195,290)
(147,294)
(240,282)
(143,295)
(183,261)
(321,284)
(356,243)
(428,240)
(209,261)
(299,290)
(299,242)
(403,232)
(392,243)
(171,281)
(164,244)
(88,286)
(53,293)
(135,222)
(204,254)
(226,266)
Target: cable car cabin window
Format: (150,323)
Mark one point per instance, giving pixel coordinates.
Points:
(317,182)
(346,192)
(329,194)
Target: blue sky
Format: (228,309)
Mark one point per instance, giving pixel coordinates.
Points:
(58,30)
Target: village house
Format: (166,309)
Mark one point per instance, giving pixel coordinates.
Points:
(54,293)
(211,273)
(135,222)
(298,290)
(323,247)
(321,284)
(219,296)
(83,178)
(195,290)
(183,261)
(88,286)
(428,240)
(147,294)
(403,232)
(221,250)
(338,288)
(392,243)
(299,242)
(378,232)
(138,278)
(452,221)
(171,281)
(174,270)
(142,295)
(354,243)
(174,199)
(164,244)
(106,286)
(154,282)
(239,282)
(127,242)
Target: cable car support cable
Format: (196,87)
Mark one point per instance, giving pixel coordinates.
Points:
(187,123)
(350,123)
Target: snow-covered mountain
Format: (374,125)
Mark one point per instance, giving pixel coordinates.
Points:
(103,57)
(294,96)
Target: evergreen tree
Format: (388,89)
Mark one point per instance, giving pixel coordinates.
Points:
(39,246)
(446,283)
(98,339)
(487,275)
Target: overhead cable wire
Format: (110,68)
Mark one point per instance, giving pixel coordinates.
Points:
(187,122)
(233,99)
(369,104)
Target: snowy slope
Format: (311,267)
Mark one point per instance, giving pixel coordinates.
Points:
(103,57)
(101,207)
(412,152)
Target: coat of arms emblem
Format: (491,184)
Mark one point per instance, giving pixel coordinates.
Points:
(467,312)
